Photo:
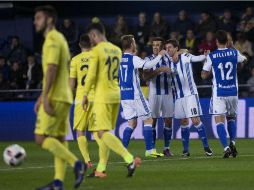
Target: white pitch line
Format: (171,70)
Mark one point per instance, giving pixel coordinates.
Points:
(111,163)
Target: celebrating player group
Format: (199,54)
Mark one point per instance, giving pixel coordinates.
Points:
(103,76)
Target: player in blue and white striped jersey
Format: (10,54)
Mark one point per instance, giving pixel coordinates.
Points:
(223,63)
(132,100)
(186,95)
(160,93)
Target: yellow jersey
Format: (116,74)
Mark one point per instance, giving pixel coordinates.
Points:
(103,73)
(56,51)
(79,67)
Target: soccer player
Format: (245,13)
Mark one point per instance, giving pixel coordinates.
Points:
(186,95)
(132,100)
(160,93)
(103,75)
(78,72)
(223,63)
(53,105)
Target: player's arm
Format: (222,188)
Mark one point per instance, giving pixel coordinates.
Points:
(73,75)
(149,74)
(199,58)
(91,77)
(147,64)
(206,68)
(52,61)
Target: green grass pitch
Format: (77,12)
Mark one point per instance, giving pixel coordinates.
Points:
(194,173)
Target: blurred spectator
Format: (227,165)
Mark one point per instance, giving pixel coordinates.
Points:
(243,45)
(248,14)
(4,69)
(69,30)
(251,82)
(142,30)
(120,29)
(3,83)
(159,26)
(16,52)
(208,44)
(227,22)
(16,76)
(174,35)
(190,42)
(206,24)
(249,30)
(33,73)
(182,23)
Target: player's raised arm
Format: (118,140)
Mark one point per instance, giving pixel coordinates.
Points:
(206,68)
(148,64)
(200,58)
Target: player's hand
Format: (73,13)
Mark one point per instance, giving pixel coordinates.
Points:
(162,52)
(164,69)
(37,105)
(206,52)
(85,103)
(181,51)
(47,107)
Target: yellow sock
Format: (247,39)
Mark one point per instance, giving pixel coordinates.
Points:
(60,166)
(116,145)
(83,147)
(58,149)
(103,154)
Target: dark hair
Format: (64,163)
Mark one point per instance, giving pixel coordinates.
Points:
(49,10)
(84,41)
(160,39)
(221,36)
(174,42)
(96,26)
(126,41)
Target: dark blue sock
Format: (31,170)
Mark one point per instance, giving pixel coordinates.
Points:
(232,130)
(185,132)
(148,135)
(127,136)
(154,136)
(222,134)
(58,183)
(167,132)
(202,134)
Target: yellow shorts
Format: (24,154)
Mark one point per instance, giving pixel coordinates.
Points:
(82,118)
(56,125)
(104,116)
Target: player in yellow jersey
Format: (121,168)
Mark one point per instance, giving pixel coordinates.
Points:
(78,72)
(53,105)
(103,75)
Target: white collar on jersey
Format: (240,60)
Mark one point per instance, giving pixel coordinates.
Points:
(222,48)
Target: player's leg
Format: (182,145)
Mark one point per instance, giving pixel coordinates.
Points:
(104,152)
(167,113)
(154,130)
(167,133)
(185,133)
(202,134)
(232,104)
(45,137)
(132,123)
(81,121)
(83,147)
(129,114)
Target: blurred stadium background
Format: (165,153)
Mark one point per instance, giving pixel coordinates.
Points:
(192,23)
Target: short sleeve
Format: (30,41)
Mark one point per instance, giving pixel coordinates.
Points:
(73,69)
(240,57)
(53,51)
(208,64)
(138,62)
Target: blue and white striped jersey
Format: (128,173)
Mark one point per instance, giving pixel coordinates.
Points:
(129,77)
(223,63)
(161,84)
(182,75)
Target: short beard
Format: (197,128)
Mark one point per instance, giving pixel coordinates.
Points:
(43,29)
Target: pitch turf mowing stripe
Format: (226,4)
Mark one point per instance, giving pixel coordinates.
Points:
(144,160)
